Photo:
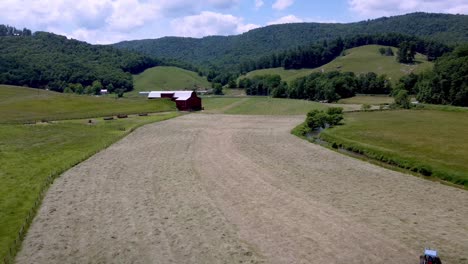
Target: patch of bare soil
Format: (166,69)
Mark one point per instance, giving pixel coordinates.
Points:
(240,189)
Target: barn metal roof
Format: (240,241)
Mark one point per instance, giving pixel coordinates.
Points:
(179,95)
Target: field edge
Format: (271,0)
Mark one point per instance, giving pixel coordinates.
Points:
(356,150)
(15,246)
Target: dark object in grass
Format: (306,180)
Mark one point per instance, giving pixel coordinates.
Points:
(122,116)
(143,114)
(109,118)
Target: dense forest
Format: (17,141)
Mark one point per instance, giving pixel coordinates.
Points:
(225,53)
(46,60)
(447,83)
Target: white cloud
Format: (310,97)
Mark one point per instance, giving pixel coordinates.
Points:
(91,19)
(259,3)
(377,8)
(208,24)
(130,14)
(285,20)
(282,4)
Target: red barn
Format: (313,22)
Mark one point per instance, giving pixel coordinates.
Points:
(185,100)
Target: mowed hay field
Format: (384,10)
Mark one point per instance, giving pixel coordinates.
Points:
(31,153)
(358,60)
(241,189)
(428,141)
(19,105)
(167,78)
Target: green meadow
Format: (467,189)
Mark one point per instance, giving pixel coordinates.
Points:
(19,105)
(368,99)
(432,143)
(260,105)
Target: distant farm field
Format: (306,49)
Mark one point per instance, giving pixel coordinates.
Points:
(168,78)
(368,99)
(19,104)
(430,142)
(358,60)
(259,106)
(30,153)
(262,105)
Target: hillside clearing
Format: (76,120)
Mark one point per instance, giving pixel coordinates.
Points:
(19,105)
(434,140)
(167,78)
(358,60)
(231,189)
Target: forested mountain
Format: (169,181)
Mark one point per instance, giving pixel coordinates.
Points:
(227,52)
(46,60)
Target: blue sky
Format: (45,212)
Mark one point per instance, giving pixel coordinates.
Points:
(110,21)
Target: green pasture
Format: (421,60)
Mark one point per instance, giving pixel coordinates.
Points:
(260,105)
(433,143)
(368,99)
(19,105)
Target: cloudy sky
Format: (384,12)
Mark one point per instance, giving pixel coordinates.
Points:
(109,21)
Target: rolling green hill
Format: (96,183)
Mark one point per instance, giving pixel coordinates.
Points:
(19,105)
(358,60)
(168,78)
(230,50)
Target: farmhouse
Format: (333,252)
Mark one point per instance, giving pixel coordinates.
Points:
(185,100)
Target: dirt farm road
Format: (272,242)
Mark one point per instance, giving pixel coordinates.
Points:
(240,189)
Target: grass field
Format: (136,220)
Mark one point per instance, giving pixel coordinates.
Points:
(167,78)
(234,92)
(30,153)
(18,104)
(368,99)
(430,142)
(358,60)
(259,106)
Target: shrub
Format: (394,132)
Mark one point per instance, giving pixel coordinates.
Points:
(402,99)
(365,107)
(317,119)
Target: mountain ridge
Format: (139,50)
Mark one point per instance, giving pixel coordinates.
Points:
(229,50)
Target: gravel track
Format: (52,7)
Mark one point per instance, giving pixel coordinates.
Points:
(240,189)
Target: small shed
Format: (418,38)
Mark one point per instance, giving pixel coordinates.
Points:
(185,100)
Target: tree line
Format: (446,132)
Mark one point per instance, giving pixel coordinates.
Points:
(330,86)
(6,30)
(446,83)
